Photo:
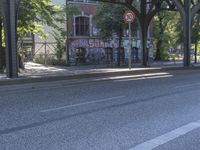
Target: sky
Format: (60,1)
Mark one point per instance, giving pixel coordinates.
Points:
(59,2)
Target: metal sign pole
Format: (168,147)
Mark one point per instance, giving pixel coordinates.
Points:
(129,17)
(129,52)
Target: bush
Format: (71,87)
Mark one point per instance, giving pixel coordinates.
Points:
(51,60)
(39,59)
(164,55)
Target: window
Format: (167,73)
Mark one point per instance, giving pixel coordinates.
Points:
(82,26)
(78,0)
(92,1)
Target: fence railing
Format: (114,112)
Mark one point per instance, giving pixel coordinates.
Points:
(40,52)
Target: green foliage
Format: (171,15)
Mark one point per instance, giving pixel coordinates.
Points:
(195,37)
(51,59)
(71,10)
(60,45)
(60,37)
(136,4)
(168,31)
(170,24)
(34,14)
(165,33)
(165,55)
(39,58)
(2,36)
(109,19)
(196,32)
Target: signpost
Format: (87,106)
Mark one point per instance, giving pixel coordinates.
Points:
(129,17)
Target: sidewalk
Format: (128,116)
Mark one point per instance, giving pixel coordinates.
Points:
(37,73)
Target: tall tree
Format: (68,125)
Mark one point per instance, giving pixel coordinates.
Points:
(110,22)
(34,14)
(70,11)
(160,35)
(196,34)
(110,19)
(165,32)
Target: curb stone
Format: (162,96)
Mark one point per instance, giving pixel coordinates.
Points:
(23,80)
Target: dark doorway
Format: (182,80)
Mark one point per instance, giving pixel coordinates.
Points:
(80,55)
(109,55)
(121,56)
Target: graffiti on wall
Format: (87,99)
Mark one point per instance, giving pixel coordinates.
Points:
(90,50)
(93,43)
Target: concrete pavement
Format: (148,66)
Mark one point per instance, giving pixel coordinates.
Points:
(39,73)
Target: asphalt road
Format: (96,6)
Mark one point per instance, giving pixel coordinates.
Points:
(158,111)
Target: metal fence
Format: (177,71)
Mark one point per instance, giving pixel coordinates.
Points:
(40,52)
(44,52)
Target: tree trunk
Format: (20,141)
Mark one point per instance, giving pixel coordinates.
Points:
(144,45)
(158,50)
(187,32)
(160,40)
(120,45)
(144,30)
(195,52)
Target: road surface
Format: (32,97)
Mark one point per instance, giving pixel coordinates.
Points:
(158,111)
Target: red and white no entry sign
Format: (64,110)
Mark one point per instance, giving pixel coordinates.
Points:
(129,16)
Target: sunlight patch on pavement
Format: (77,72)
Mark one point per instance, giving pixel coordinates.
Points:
(145,78)
(142,76)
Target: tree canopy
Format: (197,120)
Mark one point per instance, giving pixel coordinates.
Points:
(110,19)
(34,14)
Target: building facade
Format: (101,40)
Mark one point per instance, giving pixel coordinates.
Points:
(84,44)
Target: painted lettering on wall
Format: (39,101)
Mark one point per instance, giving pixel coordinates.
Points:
(93,43)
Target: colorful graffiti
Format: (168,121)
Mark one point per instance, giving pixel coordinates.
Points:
(93,43)
(92,50)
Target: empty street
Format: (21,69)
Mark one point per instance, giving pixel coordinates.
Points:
(158,111)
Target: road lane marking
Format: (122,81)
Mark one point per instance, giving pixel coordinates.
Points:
(81,104)
(188,85)
(144,78)
(139,75)
(165,138)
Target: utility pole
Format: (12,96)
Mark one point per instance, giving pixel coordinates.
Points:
(10,36)
(67,35)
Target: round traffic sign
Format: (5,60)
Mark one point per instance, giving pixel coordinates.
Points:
(129,16)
